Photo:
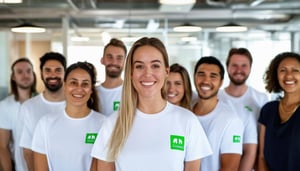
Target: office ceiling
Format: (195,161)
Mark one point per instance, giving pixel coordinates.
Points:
(134,16)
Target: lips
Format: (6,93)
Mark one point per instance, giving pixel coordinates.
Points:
(289,82)
(172,95)
(147,83)
(205,87)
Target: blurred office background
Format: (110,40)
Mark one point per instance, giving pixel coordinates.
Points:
(80,28)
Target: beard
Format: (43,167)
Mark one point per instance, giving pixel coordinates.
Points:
(53,87)
(27,85)
(209,96)
(115,73)
(238,82)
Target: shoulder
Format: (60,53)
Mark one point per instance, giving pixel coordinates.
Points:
(98,115)
(270,105)
(8,99)
(181,114)
(34,100)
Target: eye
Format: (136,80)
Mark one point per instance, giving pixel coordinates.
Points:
(178,83)
(295,70)
(85,84)
(58,70)
(156,66)
(139,66)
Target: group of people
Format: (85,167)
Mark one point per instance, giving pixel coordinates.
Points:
(151,120)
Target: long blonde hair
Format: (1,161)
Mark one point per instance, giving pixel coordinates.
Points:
(129,98)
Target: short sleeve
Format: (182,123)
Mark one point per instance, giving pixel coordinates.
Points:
(198,145)
(101,145)
(39,137)
(232,141)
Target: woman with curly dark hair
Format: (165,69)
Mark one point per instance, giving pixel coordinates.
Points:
(279,137)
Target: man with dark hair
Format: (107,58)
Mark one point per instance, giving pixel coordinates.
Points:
(111,89)
(23,87)
(223,127)
(245,100)
(53,66)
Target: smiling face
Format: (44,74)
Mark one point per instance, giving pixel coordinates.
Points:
(208,81)
(78,87)
(238,69)
(113,60)
(289,75)
(52,75)
(175,86)
(149,72)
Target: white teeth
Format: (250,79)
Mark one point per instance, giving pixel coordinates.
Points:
(172,95)
(147,83)
(205,87)
(289,82)
(78,96)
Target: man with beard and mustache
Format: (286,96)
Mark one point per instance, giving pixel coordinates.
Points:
(223,127)
(51,100)
(111,89)
(245,100)
(23,87)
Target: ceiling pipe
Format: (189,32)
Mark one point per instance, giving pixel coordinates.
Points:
(214,3)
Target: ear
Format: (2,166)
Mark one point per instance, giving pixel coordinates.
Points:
(167,71)
(101,61)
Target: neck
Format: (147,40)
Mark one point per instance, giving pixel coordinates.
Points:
(112,82)
(54,96)
(24,94)
(151,105)
(236,90)
(205,106)
(77,111)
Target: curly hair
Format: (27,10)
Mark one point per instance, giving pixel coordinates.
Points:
(271,75)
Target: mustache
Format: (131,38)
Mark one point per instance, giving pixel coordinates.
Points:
(55,78)
(112,65)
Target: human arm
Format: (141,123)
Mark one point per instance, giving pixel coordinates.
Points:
(248,157)
(193,165)
(230,162)
(5,154)
(94,165)
(40,162)
(105,166)
(262,165)
(28,156)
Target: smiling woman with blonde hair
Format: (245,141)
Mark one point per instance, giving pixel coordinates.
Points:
(148,133)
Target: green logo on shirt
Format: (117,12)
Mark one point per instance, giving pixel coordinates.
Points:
(177,142)
(248,108)
(236,139)
(90,138)
(116,105)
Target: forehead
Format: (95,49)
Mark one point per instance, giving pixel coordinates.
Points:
(114,49)
(238,58)
(147,54)
(208,68)
(22,65)
(79,74)
(289,61)
(174,76)
(52,64)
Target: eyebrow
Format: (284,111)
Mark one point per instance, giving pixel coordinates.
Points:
(154,61)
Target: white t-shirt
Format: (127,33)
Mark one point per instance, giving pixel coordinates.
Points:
(67,142)
(160,142)
(109,99)
(248,108)
(9,120)
(31,111)
(224,130)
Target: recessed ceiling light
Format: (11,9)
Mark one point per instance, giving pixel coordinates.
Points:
(232,27)
(187,28)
